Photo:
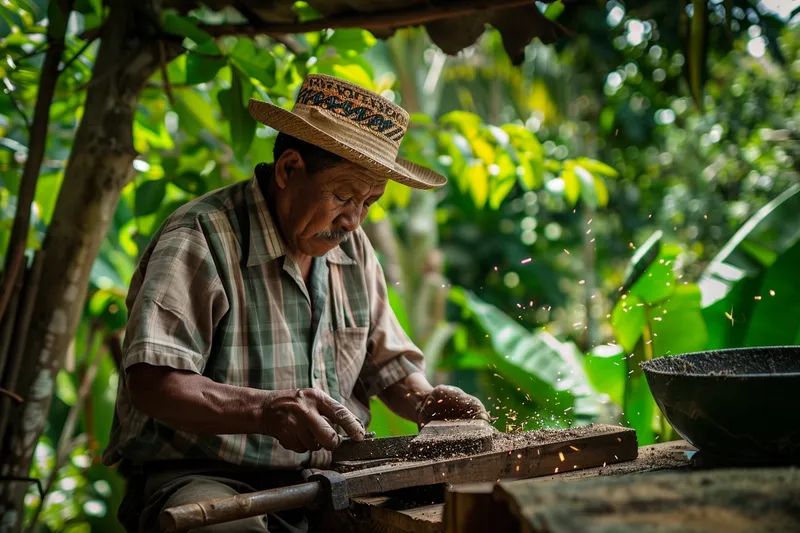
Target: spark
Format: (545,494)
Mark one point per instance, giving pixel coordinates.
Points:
(588,231)
(705,217)
(589,221)
(495,269)
(771,292)
(632,246)
(517,468)
(561,456)
(528,260)
(556,472)
(574,448)
(581,282)
(756,297)
(729,316)
(593,239)
(566,251)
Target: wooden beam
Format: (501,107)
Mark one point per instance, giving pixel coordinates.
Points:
(421,519)
(512,458)
(398,18)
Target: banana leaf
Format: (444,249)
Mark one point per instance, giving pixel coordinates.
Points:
(544,369)
(735,277)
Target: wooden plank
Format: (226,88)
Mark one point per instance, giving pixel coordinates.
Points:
(513,456)
(437,438)
(472,509)
(399,514)
(673,455)
(729,501)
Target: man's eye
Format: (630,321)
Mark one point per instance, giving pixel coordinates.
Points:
(343,200)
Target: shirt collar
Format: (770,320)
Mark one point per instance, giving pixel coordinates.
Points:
(266,243)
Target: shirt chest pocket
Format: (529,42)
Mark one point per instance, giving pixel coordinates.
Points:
(351,350)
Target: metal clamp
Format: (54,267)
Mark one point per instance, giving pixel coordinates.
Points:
(335,485)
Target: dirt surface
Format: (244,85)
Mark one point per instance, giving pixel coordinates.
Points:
(436,448)
(730,363)
(540,437)
(733,501)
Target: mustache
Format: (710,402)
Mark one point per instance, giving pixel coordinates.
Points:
(334,235)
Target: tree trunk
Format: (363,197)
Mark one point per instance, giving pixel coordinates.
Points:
(99,167)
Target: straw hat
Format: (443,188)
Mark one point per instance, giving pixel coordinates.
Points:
(352,122)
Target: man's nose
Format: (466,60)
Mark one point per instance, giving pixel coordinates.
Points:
(351,219)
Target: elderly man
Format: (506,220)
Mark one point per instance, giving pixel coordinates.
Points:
(259,322)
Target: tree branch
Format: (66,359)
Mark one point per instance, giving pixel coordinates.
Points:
(18,108)
(382,20)
(37,140)
(290,43)
(78,53)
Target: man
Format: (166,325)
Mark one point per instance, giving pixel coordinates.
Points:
(259,323)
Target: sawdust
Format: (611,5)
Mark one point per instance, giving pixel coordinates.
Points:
(540,437)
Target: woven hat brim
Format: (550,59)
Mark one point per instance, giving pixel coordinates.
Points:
(399,170)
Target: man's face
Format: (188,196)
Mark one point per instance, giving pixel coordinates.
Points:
(317,212)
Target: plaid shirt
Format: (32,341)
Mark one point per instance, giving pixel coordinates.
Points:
(215,294)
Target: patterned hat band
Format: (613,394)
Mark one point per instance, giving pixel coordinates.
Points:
(371,112)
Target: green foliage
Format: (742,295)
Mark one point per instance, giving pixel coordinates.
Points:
(543,369)
(556,169)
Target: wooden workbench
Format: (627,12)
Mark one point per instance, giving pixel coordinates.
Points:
(468,508)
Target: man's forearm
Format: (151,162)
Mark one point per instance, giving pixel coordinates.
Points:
(405,397)
(196,404)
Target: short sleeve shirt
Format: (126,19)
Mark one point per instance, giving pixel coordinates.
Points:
(216,294)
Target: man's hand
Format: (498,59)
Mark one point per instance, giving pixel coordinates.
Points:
(445,402)
(301,420)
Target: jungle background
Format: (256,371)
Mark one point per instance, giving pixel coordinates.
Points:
(627,192)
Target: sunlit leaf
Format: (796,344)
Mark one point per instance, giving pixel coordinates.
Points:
(658,281)
(572,186)
(606,370)
(536,362)
(397,194)
(600,191)
(478,179)
(349,70)
(351,40)
(195,113)
(483,150)
(65,388)
(253,62)
(500,189)
(466,123)
(628,320)
(586,180)
(597,167)
(554,10)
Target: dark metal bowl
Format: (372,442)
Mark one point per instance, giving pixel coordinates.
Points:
(740,404)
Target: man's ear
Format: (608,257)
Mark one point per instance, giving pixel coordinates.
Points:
(290,165)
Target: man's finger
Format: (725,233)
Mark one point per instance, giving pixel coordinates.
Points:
(322,431)
(341,415)
(308,439)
